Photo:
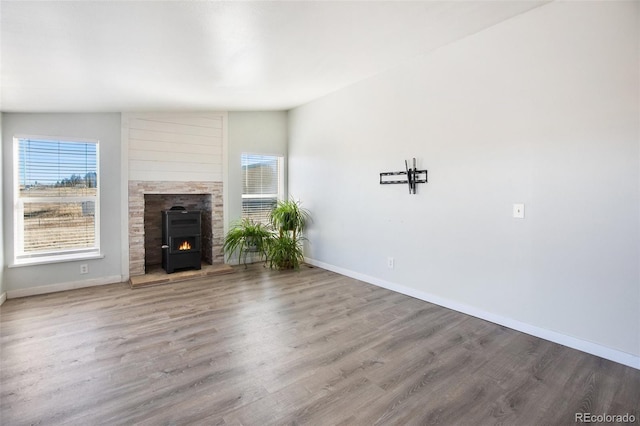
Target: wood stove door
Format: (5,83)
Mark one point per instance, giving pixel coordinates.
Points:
(184,244)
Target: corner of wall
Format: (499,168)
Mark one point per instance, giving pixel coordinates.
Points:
(3,294)
(124,196)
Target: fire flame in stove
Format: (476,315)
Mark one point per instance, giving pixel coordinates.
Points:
(185,246)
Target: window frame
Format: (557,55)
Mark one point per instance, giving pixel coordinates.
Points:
(280,175)
(20,258)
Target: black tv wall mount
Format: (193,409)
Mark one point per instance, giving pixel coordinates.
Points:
(414,177)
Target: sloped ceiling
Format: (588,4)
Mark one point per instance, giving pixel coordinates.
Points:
(68,56)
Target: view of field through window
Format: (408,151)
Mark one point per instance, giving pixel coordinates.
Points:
(57,196)
(55,226)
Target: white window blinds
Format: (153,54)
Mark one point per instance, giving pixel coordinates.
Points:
(57,201)
(262,185)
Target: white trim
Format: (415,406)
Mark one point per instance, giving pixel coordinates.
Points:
(58,258)
(225,173)
(57,138)
(20,258)
(124,196)
(78,199)
(3,298)
(553,336)
(257,196)
(281,175)
(280,196)
(52,288)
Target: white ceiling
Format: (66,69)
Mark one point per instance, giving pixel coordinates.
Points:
(65,56)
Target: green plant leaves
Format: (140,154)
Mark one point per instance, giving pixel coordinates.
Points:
(247,236)
(285,253)
(280,243)
(289,216)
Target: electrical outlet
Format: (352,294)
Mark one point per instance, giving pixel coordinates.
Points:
(390,262)
(518,211)
(84,268)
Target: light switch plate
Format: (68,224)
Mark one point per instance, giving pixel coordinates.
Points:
(518,211)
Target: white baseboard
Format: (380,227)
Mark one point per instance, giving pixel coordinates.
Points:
(3,298)
(553,336)
(24,292)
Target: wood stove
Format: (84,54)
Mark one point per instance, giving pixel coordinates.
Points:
(180,239)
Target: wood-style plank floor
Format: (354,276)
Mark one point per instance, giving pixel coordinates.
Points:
(261,347)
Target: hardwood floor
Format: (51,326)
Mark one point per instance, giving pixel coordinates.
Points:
(259,347)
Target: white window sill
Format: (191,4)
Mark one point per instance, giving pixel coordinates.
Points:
(55,259)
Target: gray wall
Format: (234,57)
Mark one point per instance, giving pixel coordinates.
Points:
(541,109)
(252,132)
(2,242)
(105,128)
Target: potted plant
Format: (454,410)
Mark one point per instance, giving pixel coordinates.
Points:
(287,216)
(245,237)
(284,250)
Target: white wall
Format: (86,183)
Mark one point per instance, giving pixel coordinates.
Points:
(541,109)
(253,132)
(178,147)
(2,261)
(35,279)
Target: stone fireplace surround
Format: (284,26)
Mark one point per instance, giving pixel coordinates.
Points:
(205,196)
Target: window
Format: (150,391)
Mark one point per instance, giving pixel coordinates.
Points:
(57,209)
(262,185)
